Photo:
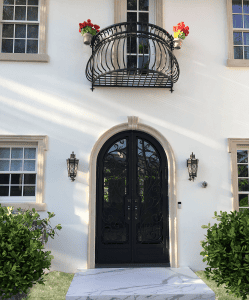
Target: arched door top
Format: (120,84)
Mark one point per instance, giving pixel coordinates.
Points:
(134,124)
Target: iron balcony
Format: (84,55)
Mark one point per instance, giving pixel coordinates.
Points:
(133,55)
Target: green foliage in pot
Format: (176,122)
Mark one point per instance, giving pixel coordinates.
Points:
(22,260)
(227,252)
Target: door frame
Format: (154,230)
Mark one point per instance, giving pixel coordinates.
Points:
(134,124)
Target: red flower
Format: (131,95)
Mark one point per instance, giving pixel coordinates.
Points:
(96,26)
(89,21)
(175,28)
(97,30)
(181,26)
(90,24)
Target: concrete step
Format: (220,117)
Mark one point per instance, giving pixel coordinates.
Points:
(138,283)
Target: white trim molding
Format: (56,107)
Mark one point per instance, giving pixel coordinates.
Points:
(134,124)
(41,141)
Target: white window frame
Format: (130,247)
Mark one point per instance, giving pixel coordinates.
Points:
(41,56)
(231,62)
(235,144)
(41,144)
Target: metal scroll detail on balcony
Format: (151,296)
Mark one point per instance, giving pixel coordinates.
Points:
(133,55)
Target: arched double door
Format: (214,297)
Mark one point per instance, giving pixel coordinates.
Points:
(132,201)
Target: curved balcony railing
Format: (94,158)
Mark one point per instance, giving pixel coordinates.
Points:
(133,55)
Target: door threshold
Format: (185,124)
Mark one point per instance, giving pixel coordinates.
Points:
(133,265)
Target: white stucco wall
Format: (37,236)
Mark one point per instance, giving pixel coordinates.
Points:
(209,104)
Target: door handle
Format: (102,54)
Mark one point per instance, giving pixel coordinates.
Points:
(136,208)
(128,210)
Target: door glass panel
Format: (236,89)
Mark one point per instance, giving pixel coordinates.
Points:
(150,227)
(115,170)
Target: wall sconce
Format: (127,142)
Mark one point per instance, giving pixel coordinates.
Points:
(72,166)
(192,164)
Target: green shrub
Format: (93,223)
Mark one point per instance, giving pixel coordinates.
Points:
(21,259)
(227,249)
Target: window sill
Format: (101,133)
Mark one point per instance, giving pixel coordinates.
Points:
(26,205)
(237,63)
(24,57)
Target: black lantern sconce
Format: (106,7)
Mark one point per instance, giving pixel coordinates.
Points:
(192,164)
(72,166)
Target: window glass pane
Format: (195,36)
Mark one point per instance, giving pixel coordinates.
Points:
(32,46)
(33,31)
(246,38)
(8,30)
(16,165)
(8,12)
(131,4)
(237,38)
(143,4)
(242,156)
(131,62)
(17,153)
(4,152)
(143,46)
(7,46)
(29,191)
(4,191)
(29,165)
(15,190)
(4,178)
(16,179)
(20,31)
(243,200)
(243,185)
(246,7)
(131,44)
(32,2)
(29,178)
(246,21)
(246,52)
(20,2)
(4,165)
(19,46)
(11,2)
(143,17)
(238,52)
(242,170)
(32,14)
(143,62)
(237,21)
(237,6)
(29,153)
(132,17)
(20,13)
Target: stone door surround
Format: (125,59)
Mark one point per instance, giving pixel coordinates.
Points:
(134,124)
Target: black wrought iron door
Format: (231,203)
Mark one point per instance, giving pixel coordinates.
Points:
(132,201)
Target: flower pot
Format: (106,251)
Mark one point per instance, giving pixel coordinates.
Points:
(87,38)
(178,43)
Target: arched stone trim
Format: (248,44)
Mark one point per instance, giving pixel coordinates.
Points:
(133,124)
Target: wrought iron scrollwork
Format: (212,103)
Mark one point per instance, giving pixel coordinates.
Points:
(119,61)
(149,172)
